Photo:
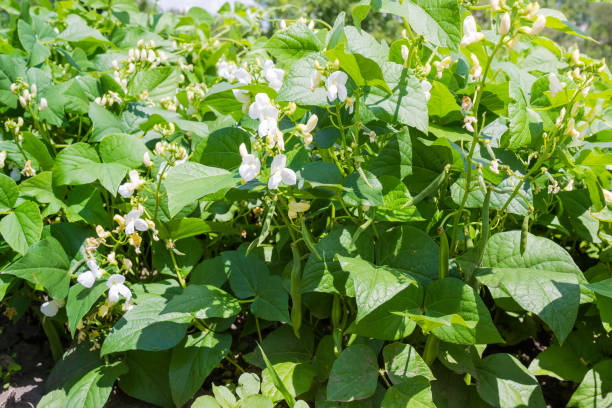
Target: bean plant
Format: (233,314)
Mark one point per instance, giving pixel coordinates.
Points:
(262,212)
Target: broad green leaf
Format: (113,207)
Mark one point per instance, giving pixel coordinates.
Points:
(505,383)
(437,20)
(104,122)
(326,274)
(85,204)
(395,158)
(407,104)
(79,33)
(362,43)
(560,362)
(249,277)
(443,105)
(413,392)
(79,164)
(384,297)
(53,399)
(189,182)
(296,377)
(147,327)
(205,401)
(193,360)
(450,296)
(594,390)
(8,193)
(397,206)
(402,362)
(525,124)
(159,82)
(360,11)
(74,364)
(354,374)
(30,41)
(124,149)
(577,214)
(281,345)
(543,280)
(499,196)
(336,34)
(293,43)
(38,150)
(204,302)
(22,227)
(297,84)
(94,388)
(248,384)
(80,300)
(221,148)
(181,228)
(363,189)
(45,264)
(147,379)
(363,70)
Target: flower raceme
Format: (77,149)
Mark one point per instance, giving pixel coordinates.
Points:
(250,166)
(280,173)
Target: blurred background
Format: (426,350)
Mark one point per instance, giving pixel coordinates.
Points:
(593,17)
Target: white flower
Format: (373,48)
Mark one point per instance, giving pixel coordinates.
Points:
(572,131)
(276,139)
(134,222)
(274,76)
(262,101)
(43,104)
(226,69)
(405,52)
(116,288)
(494,166)
(242,76)
(315,80)
(146,159)
(607,195)
(426,87)
(310,124)
(51,307)
(268,122)
(250,166)
(89,277)
(243,97)
(554,85)
(470,32)
(372,136)
(336,86)
(311,25)
(280,173)
(127,189)
(536,27)
(468,122)
(504,27)
(442,65)
(476,70)
(2,158)
(495,7)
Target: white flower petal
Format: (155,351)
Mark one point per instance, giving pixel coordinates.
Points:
(288,176)
(274,181)
(49,308)
(86,279)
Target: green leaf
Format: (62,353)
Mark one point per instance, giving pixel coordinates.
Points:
(505,383)
(448,297)
(249,276)
(293,43)
(147,327)
(360,11)
(407,104)
(79,164)
(354,374)
(79,33)
(204,302)
(248,384)
(560,362)
(193,360)
(159,82)
(74,364)
(525,124)
(40,188)
(181,228)
(443,105)
(363,189)
(38,150)
(395,158)
(518,205)
(437,20)
(8,193)
(80,300)
(124,149)
(104,122)
(326,274)
(413,392)
(402,362)
(148,378)
(85,204)
(29,40)
(363,70)
(543,280)
(384,298)
(205,401)
(53,399)
(94,388)
(296,377)
(221,148)
(362,43)
(296,86)
(44,264)
(190,181)
(22,227)
(281,345)
(594,390)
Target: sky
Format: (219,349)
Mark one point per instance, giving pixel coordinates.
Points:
(184,5)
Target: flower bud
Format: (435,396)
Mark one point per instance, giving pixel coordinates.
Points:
(43,104)
(504,27)
(405,52)
(147,160)
(495,6)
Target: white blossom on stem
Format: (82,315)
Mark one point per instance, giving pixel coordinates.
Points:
(280,173)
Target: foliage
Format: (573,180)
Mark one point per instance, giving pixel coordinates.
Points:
(330,218)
